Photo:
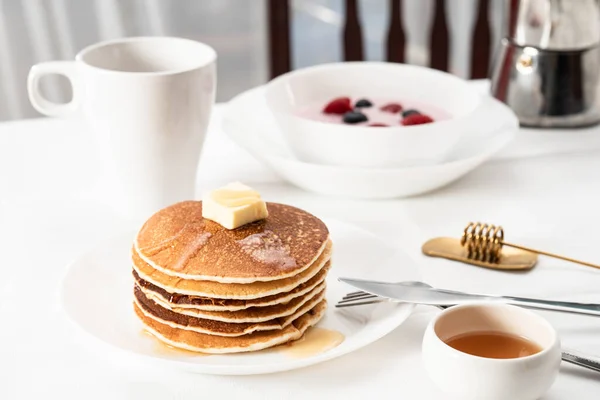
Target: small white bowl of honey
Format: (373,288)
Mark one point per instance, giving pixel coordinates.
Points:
(487,351)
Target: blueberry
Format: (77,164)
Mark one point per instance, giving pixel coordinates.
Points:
(363,103)
(354,117)
(412,111)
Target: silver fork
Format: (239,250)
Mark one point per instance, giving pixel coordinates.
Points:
(360,299)
(363,298)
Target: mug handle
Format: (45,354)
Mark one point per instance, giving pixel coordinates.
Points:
(39,102)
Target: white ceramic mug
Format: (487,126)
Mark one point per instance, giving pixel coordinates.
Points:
(148,101)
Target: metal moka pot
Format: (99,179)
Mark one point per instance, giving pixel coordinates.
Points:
(548,71)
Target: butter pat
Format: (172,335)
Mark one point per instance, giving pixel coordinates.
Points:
(234,205)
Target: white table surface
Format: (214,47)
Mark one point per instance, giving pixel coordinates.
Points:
(50,213)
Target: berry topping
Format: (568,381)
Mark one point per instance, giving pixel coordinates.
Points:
(392,108)
(416,119)
(340,106)
(363,103)
(354,117)
(410,112)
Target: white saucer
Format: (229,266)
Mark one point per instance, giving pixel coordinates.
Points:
(97,295)
(249,123)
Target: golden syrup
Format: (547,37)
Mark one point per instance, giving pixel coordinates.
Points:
(494,345)
(314,341)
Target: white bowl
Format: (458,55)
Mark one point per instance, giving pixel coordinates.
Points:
(248,122)
(363,146)
(478,378)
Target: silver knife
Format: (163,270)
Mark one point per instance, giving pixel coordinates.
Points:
(409,293)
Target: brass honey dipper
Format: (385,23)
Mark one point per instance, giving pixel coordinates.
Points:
(482,244)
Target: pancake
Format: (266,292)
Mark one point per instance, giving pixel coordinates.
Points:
(252,314)
(218,328)
(236,291)
(178,242)
(194,341)
(181,301)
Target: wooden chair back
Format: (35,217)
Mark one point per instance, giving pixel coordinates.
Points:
(439,39)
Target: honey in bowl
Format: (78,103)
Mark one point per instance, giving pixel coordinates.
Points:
(494,345)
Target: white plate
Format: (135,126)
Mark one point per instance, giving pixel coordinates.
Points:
(249,123)
(97,295)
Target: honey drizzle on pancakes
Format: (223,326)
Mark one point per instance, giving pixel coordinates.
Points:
(315,341)
(267,247)
(189,251)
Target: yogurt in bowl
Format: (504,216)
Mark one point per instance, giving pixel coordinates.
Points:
(377,112)
(296,100)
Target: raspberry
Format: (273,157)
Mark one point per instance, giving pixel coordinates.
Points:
(416,119)
(341,105)
(377,124)
(392,108)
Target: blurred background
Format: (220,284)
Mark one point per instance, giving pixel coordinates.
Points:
(42,30)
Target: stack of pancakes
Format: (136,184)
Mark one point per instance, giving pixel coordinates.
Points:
(201,287)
